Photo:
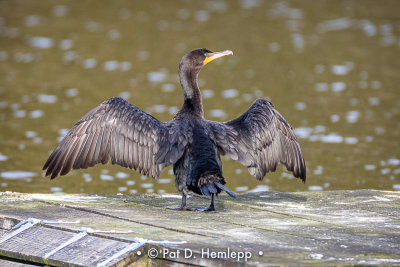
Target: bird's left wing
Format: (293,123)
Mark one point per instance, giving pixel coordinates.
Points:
(118,131)
(260,139)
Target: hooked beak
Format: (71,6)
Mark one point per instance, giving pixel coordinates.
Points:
(211,56)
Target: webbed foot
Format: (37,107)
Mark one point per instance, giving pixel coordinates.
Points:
(180,208)
(210,208)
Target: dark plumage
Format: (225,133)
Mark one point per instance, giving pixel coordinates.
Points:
(119,131)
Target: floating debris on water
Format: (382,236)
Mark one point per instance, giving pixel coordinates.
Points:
(315,188)
(3,55)
(260,188)
(3,157)
(274,47)
(218,113)
(66,44)
(20,113)
(157,109)
(56,189)
(283,10)
(60,10)
(393,161)
(35,114)
(207,93)
(168,87)
(334,25)
(143,55)
(110,65)
(319,68)
(30,134)
(352,116)
(71,92)
(14,175)
(340,70)
(106,177)
(300,106)
(368,27)
(351,140)
(335,118)
(369,167)
(318,170)
(202,15)
(87,177)
(373,101)
(338,86)
(242,188)
(298,41)
(32,20)
(41,42)
(246,4)
(156,77)
(173,110)
(47,98)
(91,63)
(114,35)
(230,93)
(331,138)
(125,95)
(287,175)
(92,26)
(322,87)
(315,134)
(125,66)
(122,175)
(124,13)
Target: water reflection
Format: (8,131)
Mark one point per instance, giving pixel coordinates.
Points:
(330,71)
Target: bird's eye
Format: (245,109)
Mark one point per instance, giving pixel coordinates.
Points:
(205,54)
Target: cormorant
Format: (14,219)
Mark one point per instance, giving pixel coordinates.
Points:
(118,131)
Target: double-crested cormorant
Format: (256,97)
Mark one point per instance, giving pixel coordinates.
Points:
(119,131)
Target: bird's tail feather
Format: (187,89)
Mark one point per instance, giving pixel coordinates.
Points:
(228,191)
(213,184)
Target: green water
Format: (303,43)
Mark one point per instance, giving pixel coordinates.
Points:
(331,68)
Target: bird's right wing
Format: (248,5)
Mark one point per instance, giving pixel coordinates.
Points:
(260,139)
(118,131)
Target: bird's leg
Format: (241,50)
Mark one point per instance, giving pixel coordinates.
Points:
(183,204)
(211,207)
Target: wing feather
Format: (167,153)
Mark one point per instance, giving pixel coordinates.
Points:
(260,139)
(118,131)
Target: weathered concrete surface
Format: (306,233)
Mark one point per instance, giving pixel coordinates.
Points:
(305,228)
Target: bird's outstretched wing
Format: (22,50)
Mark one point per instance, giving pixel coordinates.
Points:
(260,139)
(118,131)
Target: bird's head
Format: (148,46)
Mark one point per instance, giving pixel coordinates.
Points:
(197,58)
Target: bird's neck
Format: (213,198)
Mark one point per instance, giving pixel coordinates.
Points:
(192,102)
